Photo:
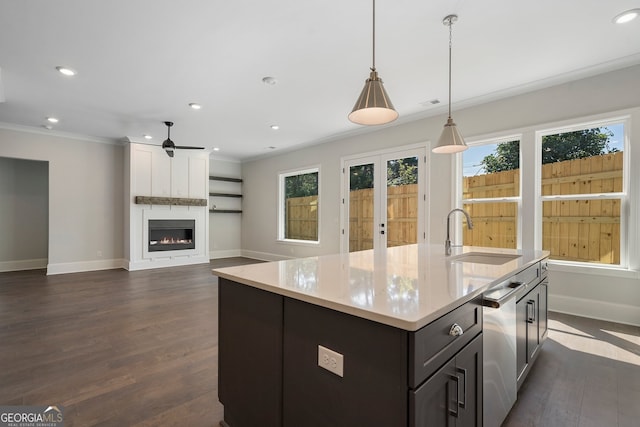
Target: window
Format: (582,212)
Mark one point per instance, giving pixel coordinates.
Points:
(491,193)
(298,214)
(582,193)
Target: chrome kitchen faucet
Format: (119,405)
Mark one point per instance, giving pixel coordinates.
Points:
(447,243)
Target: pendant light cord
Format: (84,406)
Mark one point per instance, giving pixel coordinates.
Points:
(450,23)
(373,68)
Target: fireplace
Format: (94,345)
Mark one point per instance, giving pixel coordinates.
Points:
(171,234)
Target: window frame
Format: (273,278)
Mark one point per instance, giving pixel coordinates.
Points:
(281,213)
(460,202)
(624,196)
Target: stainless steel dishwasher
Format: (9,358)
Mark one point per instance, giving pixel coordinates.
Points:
(499,351)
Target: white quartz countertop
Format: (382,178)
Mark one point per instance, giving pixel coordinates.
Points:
(406,286)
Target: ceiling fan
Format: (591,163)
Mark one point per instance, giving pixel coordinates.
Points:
(169,146)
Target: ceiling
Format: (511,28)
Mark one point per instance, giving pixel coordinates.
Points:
(142,62)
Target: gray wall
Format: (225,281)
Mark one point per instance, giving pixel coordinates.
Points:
(24,214)
(85,197)
(576,291)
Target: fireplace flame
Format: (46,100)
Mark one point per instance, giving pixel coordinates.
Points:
(170,241)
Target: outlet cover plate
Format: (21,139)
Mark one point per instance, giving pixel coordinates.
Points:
(331,361)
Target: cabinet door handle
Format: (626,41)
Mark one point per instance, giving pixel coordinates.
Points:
(530,311)
(463,402)
(450,400)
(456,330)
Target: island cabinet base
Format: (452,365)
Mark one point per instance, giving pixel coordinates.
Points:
(269,373)
(249,355)
(373,390)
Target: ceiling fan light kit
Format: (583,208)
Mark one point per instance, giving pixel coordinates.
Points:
(450,140)
(373,107)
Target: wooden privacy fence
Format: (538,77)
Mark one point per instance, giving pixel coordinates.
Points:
(301,221)
(575,230)
(401,227)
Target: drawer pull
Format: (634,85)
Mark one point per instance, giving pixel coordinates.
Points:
(456,330)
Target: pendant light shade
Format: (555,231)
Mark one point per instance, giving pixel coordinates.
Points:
(450,140)
(373,107)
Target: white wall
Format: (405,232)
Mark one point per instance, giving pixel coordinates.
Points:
(225,228)
(24,214)
(570,291)
(85,197)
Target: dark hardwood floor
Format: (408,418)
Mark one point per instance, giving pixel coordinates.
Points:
(588,374)
(119,348)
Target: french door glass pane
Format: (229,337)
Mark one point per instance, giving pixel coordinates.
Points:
(361,207)
(402,201)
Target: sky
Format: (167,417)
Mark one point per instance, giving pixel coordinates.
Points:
(472,157)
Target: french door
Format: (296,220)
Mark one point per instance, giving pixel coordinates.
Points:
(384,200)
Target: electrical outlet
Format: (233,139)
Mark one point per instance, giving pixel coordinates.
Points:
(331,361)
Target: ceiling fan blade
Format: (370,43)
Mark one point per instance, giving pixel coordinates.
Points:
(187,147)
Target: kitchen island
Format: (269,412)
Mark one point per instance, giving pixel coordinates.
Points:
(389,338)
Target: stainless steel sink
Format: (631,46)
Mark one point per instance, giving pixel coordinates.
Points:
(485,258)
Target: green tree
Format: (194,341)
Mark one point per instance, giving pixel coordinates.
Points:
(555,148)
(506,157)
(399,172)
(361,177)
(402,171)
(301,185)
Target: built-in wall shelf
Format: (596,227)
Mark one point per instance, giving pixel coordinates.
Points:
(225,194)
(225,178)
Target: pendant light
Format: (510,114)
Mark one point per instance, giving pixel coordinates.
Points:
(450,140)
(373,106)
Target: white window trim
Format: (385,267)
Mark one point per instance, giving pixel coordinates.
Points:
(457,231)
(531,190)
(619,270)
(281,211)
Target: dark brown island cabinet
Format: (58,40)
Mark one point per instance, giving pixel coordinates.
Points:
(269,373)
(531,325)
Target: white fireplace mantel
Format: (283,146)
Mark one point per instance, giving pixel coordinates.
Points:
(169,186)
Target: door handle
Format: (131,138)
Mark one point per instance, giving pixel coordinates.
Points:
(463,402)
(449,400)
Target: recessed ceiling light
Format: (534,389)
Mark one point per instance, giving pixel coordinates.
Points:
(195,106)
(66,71)
(216,149)
(626,16)
(148,137)
(271,147)
(52,120)
(269,80)
(275,127)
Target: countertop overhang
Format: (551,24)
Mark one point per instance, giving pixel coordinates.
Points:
(405,286)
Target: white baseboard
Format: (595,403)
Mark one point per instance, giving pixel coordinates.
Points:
(164,262)
(612,312)
(23,264)
(264,256)
(80,266)
(225,254)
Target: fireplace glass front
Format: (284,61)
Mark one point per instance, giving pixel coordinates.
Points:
(171,234)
